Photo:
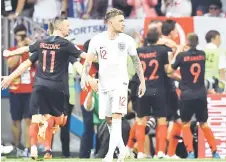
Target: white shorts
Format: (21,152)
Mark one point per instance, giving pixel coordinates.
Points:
(114,101)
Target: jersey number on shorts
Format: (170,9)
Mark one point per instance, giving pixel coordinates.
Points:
(195,70)
(103,53)
(122,101)
(52,53)
(153,63)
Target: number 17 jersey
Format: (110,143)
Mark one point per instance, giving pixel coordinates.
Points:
(153,59)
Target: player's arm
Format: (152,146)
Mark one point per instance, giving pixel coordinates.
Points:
(31,48)
(90,56)
(172,67)
(20,70)
(137,65)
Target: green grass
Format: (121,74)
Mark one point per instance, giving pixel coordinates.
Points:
(99,160)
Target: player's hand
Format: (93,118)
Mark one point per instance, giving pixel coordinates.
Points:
(94,84)
(84,82)
(5,82)
(6,53)
(142,89)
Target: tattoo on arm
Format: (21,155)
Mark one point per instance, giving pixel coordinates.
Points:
(138,67)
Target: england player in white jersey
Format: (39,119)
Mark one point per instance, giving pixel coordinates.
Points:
(112,48)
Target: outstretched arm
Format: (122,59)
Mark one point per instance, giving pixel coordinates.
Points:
(18,51)
(20,70)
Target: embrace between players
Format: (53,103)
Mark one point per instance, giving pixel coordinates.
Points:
(111,48)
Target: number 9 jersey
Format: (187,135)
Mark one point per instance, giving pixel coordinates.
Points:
(192,69)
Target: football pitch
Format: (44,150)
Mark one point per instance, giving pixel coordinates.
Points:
(127,160)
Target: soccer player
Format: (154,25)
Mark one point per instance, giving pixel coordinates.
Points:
(154,59)
(193,94)
(168,34)
(112,48)
(47,97)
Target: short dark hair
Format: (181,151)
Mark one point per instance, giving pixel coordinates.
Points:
(193,40)
(152,36)
(168,26)
(211,35)
(19,28)
(217,3)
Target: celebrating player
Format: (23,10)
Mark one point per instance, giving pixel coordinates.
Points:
(112,48)
(193,94)
(47,97)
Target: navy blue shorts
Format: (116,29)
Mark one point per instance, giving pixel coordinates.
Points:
(19,105)
(47,101)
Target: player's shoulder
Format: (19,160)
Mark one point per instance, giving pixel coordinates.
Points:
(99,36)
(125,36)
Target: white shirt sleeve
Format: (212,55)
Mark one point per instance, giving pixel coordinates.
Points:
(132,49)
(222,61)
(92,46)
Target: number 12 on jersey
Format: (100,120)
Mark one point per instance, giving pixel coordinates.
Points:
(52,53)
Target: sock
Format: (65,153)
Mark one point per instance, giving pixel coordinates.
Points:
(157,141)
(49,134)
(115,135)
(140,136)
(109,128)
(210,138)
(131,141)
(121,146)
(176,130)
(33,131)
(162,135)
(188,139)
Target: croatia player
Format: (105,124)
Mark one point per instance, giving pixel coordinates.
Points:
(112,48)
(47,97)
(193,94)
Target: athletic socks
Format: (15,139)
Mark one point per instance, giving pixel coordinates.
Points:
(33,131)
(162,135)
(210,138)
(131,140)
(188,139)
(173,141)
(115,136)
(140,137)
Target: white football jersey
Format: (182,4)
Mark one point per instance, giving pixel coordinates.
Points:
(112,57)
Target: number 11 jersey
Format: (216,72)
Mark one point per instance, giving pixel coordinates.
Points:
(52,54)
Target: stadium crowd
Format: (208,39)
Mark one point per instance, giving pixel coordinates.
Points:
(139,146)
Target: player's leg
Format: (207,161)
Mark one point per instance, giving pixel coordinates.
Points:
(16,114)
(187,110)
(118,106)
(55,100)
(160,112)
(38,106)
(202,116)
(143,110)
(177,125)
(135,103)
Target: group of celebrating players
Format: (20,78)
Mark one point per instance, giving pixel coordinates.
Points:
(154,89)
